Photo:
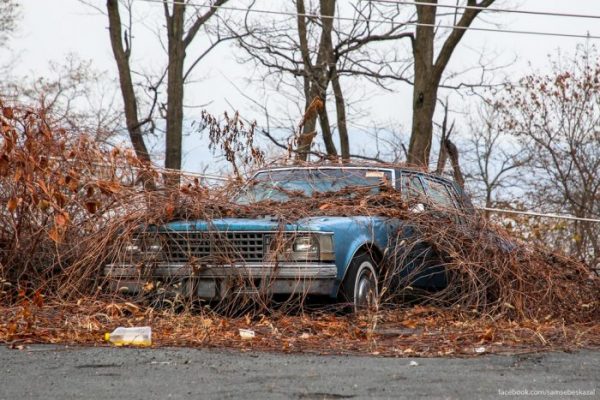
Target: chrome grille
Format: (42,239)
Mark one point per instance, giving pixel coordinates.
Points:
(213,246)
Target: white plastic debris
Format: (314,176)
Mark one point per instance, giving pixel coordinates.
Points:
(480,350)
(136,336)
(247,334)
(413,364)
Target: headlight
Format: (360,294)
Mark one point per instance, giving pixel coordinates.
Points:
(153,245)
(132,248)
(304,244)
(144,246)
(303,247)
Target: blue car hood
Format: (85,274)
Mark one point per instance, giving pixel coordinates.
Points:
(262,224)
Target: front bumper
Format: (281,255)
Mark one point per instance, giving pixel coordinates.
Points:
(221,281)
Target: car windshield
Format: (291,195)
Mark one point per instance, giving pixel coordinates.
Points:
(282,185)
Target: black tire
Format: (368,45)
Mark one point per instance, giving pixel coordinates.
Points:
(360,286)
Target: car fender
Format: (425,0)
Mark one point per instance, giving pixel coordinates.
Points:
(354,248)
(351,234)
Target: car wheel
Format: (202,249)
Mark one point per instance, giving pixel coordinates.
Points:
(360,285)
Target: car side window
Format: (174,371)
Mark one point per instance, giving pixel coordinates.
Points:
(411,187)
(440,193)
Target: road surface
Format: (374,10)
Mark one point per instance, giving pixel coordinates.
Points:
(52,372)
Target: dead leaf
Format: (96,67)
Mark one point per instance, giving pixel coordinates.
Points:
(61,219)
(108,187)
(55,235)
(409,324)
(60,199)
(169,210)
(91,206)
(4,165)
(8,112)
(43,204)
(488,334)
(73,184)
(45,130)
(18,175)
(12,204)
(38,299)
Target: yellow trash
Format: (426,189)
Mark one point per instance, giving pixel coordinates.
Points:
(136,336)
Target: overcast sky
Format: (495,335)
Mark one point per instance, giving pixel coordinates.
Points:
(53,28)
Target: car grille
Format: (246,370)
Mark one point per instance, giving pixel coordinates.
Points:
(220,247)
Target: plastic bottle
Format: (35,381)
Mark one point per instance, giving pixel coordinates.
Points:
(137,336)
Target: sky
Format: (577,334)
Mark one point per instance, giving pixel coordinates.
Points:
(51,29)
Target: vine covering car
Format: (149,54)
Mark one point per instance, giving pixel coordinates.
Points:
(337,256)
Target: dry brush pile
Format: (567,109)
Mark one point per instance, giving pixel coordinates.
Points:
(69,207)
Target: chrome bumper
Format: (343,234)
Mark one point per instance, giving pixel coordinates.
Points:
(219,281)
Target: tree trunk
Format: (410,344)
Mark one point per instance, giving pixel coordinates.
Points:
(176,49)
(442,157)
(340,109)
(326,131)
(428,73)
(121,55)
(309,125)
(419,147)
(454,160)
(318,79)
(424,91)
(177,42)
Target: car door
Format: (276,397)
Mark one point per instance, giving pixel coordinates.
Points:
(411,187)
(411,257)
(441,194)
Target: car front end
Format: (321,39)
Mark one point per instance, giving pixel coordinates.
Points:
(227,257)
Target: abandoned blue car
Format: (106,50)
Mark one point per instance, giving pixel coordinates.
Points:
(336,256)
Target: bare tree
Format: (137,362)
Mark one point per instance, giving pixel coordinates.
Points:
(557,118)
(429,68)
(183,21)
(179,37)
(9,16)
(316,78)
(449,150)
(121,46)
(73,95)
(494,159)
(323,50)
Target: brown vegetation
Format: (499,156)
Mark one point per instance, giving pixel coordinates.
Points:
(69,207)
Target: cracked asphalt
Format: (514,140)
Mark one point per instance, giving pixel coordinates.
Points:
(58,372)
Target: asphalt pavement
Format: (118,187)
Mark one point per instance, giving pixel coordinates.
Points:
(53,372)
